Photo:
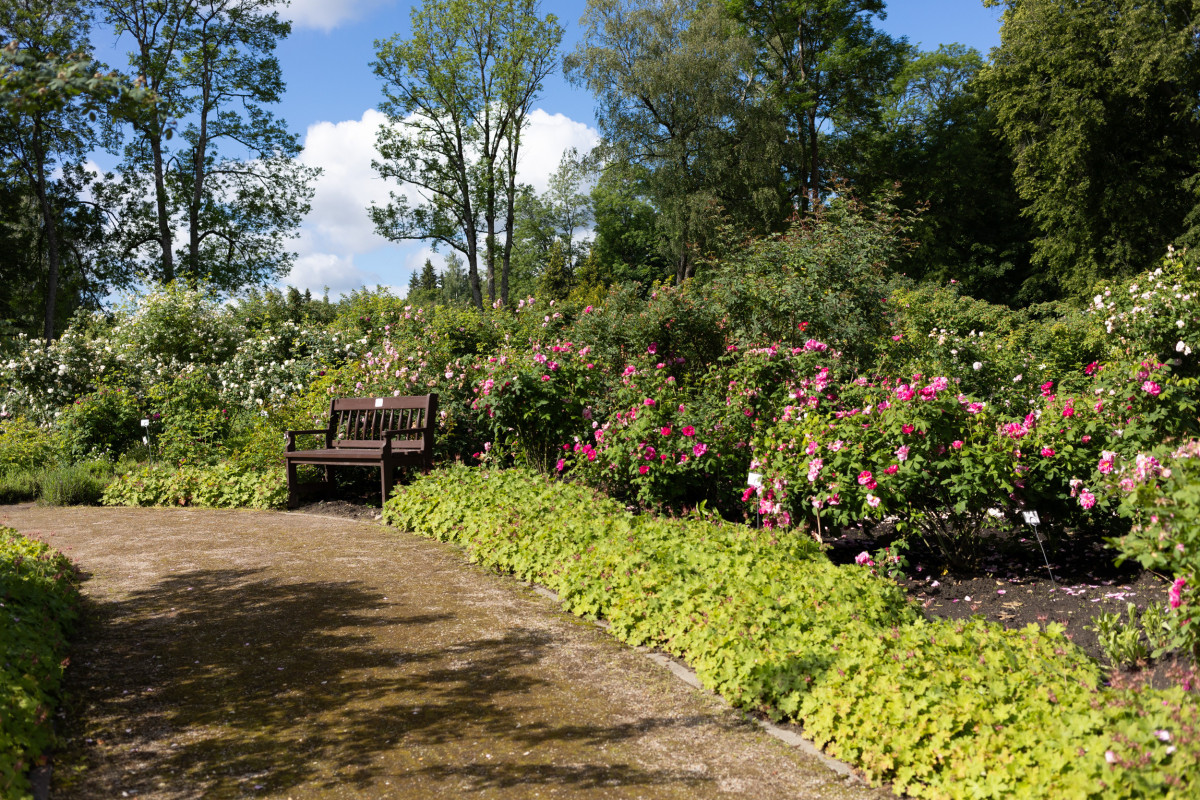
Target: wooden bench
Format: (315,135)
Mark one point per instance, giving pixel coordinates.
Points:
(387,432)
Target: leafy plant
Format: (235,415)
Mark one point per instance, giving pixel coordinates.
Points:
(1120,639)
(74,485)
(219,486)
(942,709)
(39,601)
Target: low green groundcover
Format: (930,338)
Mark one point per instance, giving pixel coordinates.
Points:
(39,601)
(942,709)
(221,486)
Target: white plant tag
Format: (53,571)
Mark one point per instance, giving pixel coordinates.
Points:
(379,402)
(754,479)
(1031,518)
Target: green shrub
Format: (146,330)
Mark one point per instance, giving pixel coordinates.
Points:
(39,601)
(220,486)
(26,446)
(74,485)
(942,709)
(18,486)
(189,424)
(103,424)
(823,278)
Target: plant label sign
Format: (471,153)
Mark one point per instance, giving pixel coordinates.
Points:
(379,402)
(754,479)
(1031,518)
(145,423)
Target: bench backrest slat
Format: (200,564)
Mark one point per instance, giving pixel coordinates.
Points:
(360,421)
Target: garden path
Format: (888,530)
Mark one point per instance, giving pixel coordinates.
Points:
(271,655)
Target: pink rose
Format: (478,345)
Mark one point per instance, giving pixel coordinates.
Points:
(649,401)
(863,559)
(1047,452)
(560,465)
(1151,388)
(688,430)
(643,469)
(892,469)
(1175,593)
(902,453)
(699,449)
(872,500)
(1087,499)
(957,444)
(665,430)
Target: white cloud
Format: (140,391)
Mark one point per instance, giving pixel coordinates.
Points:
(337,228)
(319,270)
(326,15)
(347,186)
(544,142)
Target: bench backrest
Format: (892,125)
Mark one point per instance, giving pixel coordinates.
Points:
(360,421)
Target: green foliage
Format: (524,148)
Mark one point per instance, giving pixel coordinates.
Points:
(817,61)
(1160,491)
(1098,102)
(941,709)
(1156,313)
(220,486)
(26,447)
(935,147)
(822,279)
(74,485)
(461,88)
(188,424)
(531,404)
(18,486)
(1121,640)
(679,122)
(676,320)
(213,66)
(105,424)
(39,602)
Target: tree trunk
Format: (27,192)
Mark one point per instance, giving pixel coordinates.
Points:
(198,169)
(51,229)
(160,200)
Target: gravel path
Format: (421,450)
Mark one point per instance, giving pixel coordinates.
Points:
(271,655)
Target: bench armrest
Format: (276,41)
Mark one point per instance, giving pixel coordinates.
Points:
(291,437)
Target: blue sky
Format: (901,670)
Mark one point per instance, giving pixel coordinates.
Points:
(332,96)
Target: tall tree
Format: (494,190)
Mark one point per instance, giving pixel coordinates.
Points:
(458,94)
(935,139)
(45,135)
(821,64)
(672,82)
(1099,101)
(212,65)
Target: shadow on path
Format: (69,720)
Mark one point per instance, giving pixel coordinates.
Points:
(231,682)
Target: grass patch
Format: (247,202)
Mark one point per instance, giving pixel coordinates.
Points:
(941,709)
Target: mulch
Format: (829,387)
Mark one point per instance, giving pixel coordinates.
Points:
(1070,579)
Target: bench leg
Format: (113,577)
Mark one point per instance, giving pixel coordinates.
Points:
(292,499)
(387,473)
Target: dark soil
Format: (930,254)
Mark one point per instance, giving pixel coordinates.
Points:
(1016,585)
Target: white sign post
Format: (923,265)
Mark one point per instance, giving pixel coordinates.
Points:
(1032,520)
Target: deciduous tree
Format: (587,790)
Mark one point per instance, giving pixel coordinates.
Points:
(1099,101)
(458,93)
